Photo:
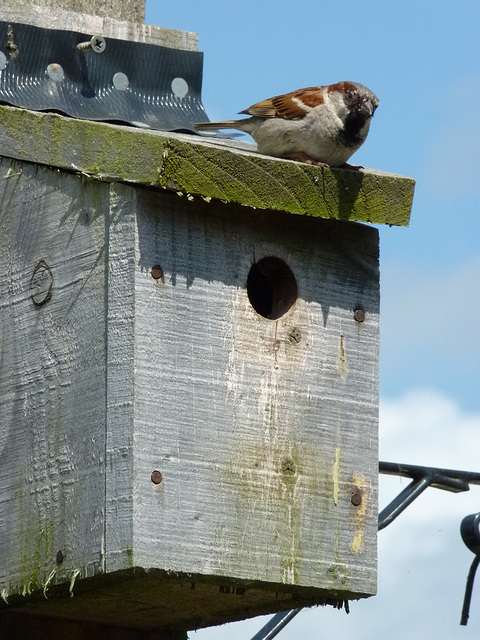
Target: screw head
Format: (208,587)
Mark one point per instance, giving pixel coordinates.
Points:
(98,44)
(156,477)
(179,87)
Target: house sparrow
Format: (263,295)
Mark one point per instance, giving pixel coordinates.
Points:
(318,125)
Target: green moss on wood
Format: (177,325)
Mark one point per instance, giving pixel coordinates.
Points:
(191,166)
(37,540)
(268,478)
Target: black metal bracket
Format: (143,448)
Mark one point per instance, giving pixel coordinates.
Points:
(421,477)
(470,531)
(275,624)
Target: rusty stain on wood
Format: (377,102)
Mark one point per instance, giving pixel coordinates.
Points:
(359,513)
(335,472)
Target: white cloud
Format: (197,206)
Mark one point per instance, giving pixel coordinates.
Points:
(426,427)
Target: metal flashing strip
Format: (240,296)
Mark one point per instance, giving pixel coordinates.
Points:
(97,78)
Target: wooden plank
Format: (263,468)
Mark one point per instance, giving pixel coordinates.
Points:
(120,379)
(125,23)
(262,429)
(52,378)
(113,371)
(21,625)
(133,10)
(194,166)
(153,600)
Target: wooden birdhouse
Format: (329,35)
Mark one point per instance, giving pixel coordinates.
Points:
(189,376)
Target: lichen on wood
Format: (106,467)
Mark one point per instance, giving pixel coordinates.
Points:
(210,168)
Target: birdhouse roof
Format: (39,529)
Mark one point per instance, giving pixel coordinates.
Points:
(213,168)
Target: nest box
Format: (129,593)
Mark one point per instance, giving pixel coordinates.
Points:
(189,376)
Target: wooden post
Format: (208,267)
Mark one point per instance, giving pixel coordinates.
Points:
(132,10)
(122,19)
(189,379)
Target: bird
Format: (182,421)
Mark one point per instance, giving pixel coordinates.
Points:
(321,125)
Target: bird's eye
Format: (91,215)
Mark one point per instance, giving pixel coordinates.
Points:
(349,96)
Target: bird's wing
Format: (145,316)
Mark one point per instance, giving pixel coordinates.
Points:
(289,106)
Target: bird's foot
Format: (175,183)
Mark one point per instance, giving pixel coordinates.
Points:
(351,167)
(300,156)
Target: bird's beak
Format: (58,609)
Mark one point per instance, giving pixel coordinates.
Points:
(367,106)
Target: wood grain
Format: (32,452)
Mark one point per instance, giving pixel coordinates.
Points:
(133,10)
(52,391)
(124,21)
(262,429)
(235,412)
(212,169)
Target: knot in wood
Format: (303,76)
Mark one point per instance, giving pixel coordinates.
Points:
(288,466)
(41,284)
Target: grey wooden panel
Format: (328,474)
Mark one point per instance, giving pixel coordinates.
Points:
(125,22)
(120,9)
(261,437)
(120,377)
(229,171)
(52,376)
(262,429)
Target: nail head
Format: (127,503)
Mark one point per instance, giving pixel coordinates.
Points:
(55,72)
(156,272)
(156,477)
(359,315)
(120,81)
(356,498)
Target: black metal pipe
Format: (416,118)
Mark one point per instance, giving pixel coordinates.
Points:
(275,625)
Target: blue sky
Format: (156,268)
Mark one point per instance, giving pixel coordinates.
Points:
(422,59)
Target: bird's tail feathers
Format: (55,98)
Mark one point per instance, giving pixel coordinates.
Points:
(211,126)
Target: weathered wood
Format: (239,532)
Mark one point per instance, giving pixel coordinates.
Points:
(262,407)
(52,445)
(22,625)
(142,600)
(125,22)
(194,166)
(262,429)
(133,10)
(189,432)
